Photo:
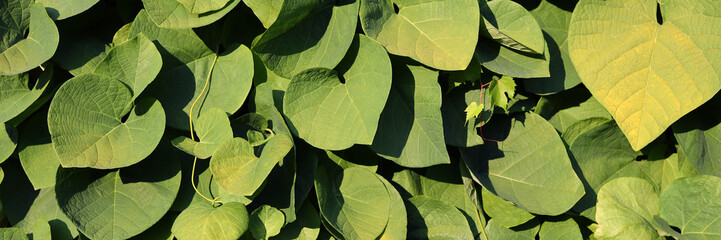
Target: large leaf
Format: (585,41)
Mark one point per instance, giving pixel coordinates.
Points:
(626,207)
(87,129)
(12,233)
(326,34)
(40,43)
(122,203)
(305,227)
(647,74)
(525,232)
(693,205)
(203,6)
(173,14)
(354,202)
(203,221)
(410,130)
(17,93)
(238,170)
(513,26)
(62,9)
(433,219)
(397,215)
(699,137)
(440,34)
(535,175)
(444,183)
(513,63)
(334,115)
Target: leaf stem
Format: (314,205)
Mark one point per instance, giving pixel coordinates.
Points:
(192,135)
(480,127)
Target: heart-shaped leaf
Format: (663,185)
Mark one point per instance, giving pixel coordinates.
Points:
(122,203)
(87,129)
(647,74)
(40,43)
(203,221)
(333,115)
(437,33)
(567,229)
(238,170)
(267,11)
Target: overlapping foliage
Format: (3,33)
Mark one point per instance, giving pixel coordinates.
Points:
(360,119)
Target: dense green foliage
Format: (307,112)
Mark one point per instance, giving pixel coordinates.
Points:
(360,119)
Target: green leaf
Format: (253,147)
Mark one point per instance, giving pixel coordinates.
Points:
(437,33)
(45,208)
(444,183)
(699,137)
(203,221)
(80,53)
(433,219)
(566,108)
(203,6)
(17,94)
(355,202)
(230,82)
(501,90)
(534,175)
(647,74)
(410,130)
(12,233)
(513,26)
(87,129)
(502,211)
(473,111)
(252,126)
(39,45)
(238,170)
(626,207)
(135,62)
(334,115)
(327,32)
(121,203)
(693,205)
(305,227)
(265,222)
(36,152)
(267,11)
(173,14)
(600,153)
(212,128)
(397,215)
(8,141)
(567,229)
(512,63)
(458,131)
(674,167)
(554,21)
(498,231)
(62,9)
